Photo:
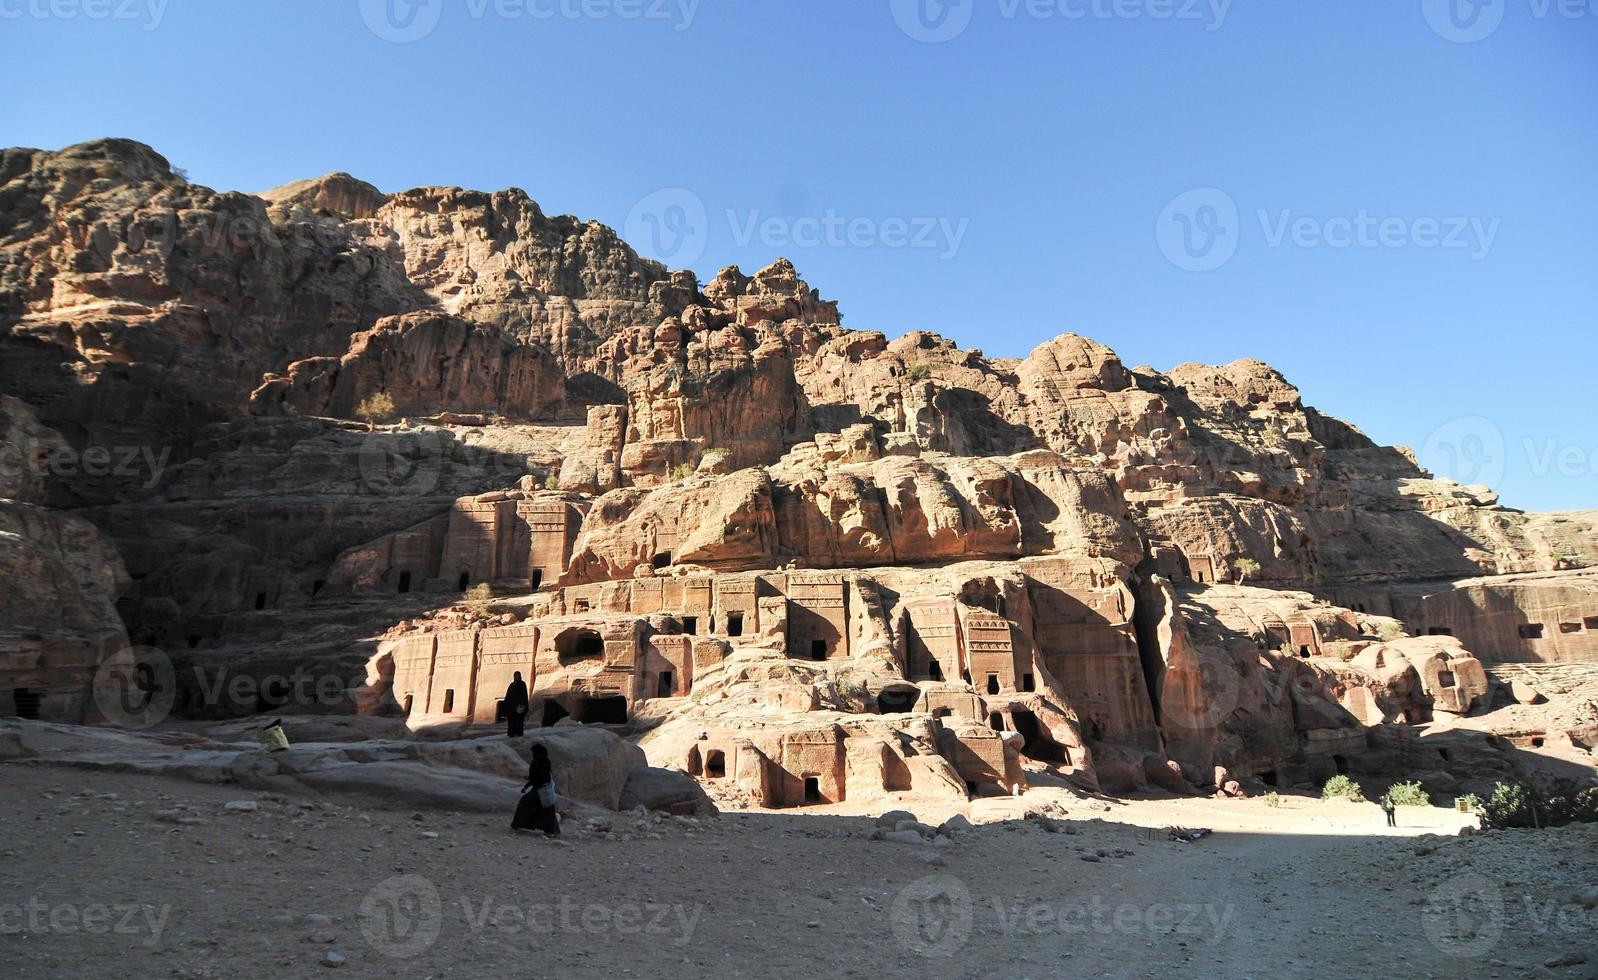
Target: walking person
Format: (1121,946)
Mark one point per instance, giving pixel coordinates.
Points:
(1389,809)
(516,706)
(536,810)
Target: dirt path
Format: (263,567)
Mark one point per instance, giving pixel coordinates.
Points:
(205,892)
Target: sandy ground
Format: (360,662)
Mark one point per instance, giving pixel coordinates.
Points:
(137,876)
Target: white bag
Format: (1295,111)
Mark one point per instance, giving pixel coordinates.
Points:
(546,794)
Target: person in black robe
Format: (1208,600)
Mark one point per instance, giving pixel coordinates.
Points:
(516,706)
(532,812)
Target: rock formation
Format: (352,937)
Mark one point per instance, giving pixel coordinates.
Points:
(821,563)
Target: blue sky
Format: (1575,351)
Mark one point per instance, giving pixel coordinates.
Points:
(1392,201)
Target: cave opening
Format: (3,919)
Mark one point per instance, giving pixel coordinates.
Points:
(604,710)
(1036,743)
(897,700)
(813,790)
(28,702)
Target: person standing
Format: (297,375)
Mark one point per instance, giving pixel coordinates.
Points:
(1391,811)
(516,702)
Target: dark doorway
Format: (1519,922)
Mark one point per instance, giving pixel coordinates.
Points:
(1341,763)
(579,645)
(27,701)
(410,699)
(553,712)
(690,625)
(609,710)
(664,688)
(715,764)
(538,578)
(405,582)
(898,700)
(993,683)
(316,587)
(818,649)
(499,710)
(1303,651)
(935,669)
(449,701)
(1028,683)
(813,789)
(464,581)
(735,624)
(1036,744)
(1268,777)
(260,600)
(662,560)
(996,721)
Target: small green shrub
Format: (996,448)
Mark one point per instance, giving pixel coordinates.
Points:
(1408,794)
(1389,629)
(1342,786)
(920,372)
(481,592)
(552,481)
(1548,803)
(375,408)
(1273,799)
(682,472)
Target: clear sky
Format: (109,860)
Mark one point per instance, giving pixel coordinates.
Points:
(1392,201)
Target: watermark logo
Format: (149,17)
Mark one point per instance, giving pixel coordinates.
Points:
(933,916)
(833,230)
(1464,916)
(1212,693)
(674,226)
(933,21)
(1199,230)
(407,21)
(1469,450)
(148,14)
(136,690)
(402,916)
(938,21)
(1464,21)
(671,225)
(402,463)
(401,21)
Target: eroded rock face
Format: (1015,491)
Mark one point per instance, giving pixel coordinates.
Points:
(829,563)
(58,619)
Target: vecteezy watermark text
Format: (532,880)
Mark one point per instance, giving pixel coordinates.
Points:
(936,21)
(36,917)
(146,13)
(1200,230)
(404,21)
(143,465)
(934,916)
(403,916)
(674,226)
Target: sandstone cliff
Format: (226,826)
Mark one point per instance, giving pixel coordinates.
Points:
(668,475)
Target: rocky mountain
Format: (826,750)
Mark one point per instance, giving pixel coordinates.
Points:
(824,561)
